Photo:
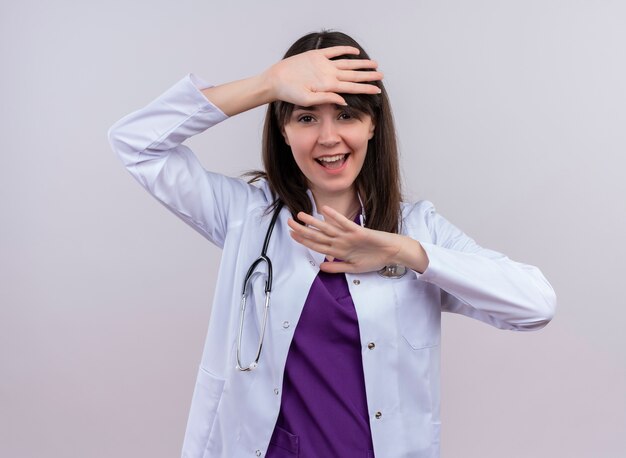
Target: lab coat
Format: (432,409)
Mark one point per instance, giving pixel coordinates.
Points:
(233,413)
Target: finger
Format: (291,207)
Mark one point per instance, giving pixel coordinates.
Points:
(299,228)
(310,233)
(315,246)
(313,235)
(341,221)
(335,51)
(355,64)
(357,88)
(321,98)
(359,76)
(318,224)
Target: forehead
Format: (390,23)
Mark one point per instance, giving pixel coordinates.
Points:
(314,108)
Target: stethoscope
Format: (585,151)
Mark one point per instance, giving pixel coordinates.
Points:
(268,289)
(393,271)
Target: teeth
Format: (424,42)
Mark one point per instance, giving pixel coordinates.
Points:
(331,158)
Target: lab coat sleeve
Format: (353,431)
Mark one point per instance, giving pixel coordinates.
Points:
(149,143)
(482,283)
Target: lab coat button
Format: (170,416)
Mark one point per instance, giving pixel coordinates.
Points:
(285,324)
(312,263)
(378,415)
(276,391)
(371,345)
(356,282)
(258,453)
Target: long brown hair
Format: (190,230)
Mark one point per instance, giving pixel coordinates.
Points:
(378,183)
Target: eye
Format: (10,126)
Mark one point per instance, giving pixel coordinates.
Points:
(305,119)
(349,113)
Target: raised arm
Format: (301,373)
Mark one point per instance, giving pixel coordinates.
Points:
(150,140)
(306,79)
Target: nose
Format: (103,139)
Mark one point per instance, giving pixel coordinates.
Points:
(328,135)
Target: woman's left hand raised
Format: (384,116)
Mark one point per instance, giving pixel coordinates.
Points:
(359,249)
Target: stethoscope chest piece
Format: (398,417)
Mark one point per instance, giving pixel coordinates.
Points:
(392,271)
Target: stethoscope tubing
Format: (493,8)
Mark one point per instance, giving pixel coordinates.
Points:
(268,289)
(392,272)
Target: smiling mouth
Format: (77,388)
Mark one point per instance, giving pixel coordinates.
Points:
(332,162)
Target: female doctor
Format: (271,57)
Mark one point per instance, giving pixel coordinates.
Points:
(325,326)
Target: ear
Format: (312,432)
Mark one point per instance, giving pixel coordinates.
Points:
(371,132)
(282,131)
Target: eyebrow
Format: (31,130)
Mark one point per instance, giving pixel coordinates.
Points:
(314,107)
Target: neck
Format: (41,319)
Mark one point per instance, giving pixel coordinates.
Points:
(346,203)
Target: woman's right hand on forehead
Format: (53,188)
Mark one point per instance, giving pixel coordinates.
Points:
(306,79)
(311,78)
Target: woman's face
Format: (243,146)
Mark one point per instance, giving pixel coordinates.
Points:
(329,143)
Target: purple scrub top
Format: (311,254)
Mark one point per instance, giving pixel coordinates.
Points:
(323,409)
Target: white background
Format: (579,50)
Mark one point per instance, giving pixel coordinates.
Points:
(511,117)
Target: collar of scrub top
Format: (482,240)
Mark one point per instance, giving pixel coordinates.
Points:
(318,215)
(362,214)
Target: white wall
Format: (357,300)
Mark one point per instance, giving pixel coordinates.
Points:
(511,119)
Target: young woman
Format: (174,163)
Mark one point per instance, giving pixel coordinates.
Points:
(325,327)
